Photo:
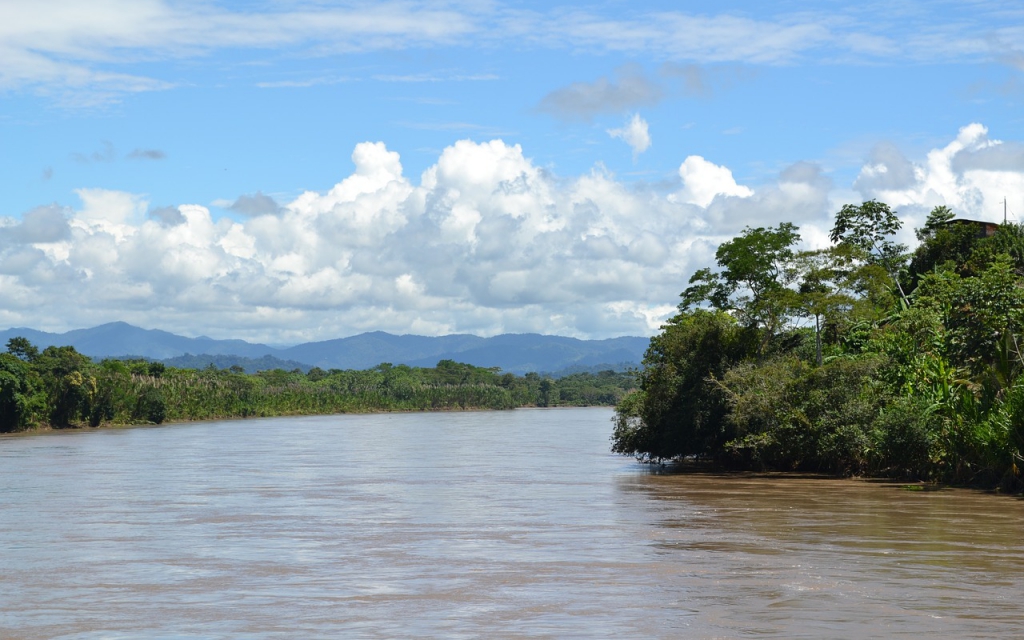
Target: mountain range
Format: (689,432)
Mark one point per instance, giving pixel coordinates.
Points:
(515,353)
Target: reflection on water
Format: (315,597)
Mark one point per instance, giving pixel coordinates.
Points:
(505,524)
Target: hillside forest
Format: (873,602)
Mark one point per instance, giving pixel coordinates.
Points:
(859,358)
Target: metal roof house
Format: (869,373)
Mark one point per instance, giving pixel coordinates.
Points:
(982,228)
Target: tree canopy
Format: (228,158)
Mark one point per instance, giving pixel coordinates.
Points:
(858,358)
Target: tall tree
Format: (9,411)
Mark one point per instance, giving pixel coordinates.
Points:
(825,288)
(757,269)
(870,227)
(20,347)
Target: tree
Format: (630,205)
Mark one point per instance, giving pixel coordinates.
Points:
(150,406)
(942,243)
(548,392)
(869,227)
(1008,239)
(70,387)
(757,267)
(15,390)
(678,410)
(824,289)
(938,219)
(788,415)
(978,313)
(22,348)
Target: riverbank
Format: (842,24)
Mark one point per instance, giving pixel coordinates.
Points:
(103,426)
(907,483)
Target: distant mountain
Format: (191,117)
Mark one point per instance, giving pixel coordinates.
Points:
(521,353)
(516,353)
(120,338)
(370,349)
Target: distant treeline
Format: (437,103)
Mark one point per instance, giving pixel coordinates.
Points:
(266,362)
(60,388)
(221,361)
(859,358)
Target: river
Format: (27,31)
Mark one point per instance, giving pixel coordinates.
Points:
(469,525)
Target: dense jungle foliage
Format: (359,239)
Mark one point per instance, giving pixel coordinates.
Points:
(862,358)
(59,388)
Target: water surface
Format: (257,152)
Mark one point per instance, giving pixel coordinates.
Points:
(467,525)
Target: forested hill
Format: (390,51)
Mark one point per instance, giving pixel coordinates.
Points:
(516,353)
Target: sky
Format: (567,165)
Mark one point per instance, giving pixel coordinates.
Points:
(294,171)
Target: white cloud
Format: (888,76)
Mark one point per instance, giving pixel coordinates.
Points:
(702,38)
(65,46)
(854,33)
(703,181)
(85,53)
(972,174)
(485,242)
(635,134)
(111,210)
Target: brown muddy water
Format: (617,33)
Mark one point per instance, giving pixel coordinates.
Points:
(470,525)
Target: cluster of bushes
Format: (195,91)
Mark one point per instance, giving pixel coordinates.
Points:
(862,358)
(59,387)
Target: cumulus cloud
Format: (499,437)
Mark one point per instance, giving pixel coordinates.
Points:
(43,224)
(108,208)
(635,134)
(972,174)
(483,241)
(887,169)
(168,216)
(703,181)
(1001,156)
(629,89)
(255,205)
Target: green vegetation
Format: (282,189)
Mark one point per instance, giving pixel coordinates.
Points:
(59,388)
(860,358)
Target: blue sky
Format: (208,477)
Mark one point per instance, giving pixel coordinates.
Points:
(560,168)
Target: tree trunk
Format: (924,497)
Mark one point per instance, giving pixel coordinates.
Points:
(817,337)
